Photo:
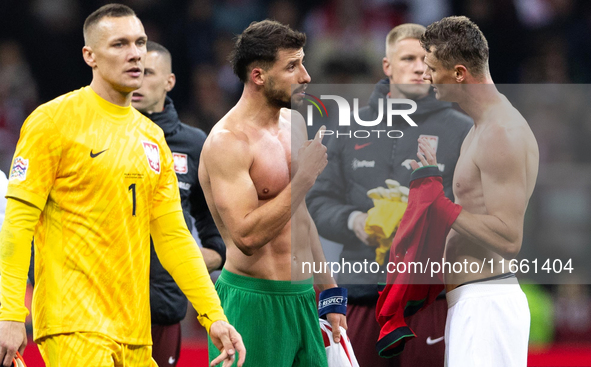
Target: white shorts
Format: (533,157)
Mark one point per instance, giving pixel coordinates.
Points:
(487,325)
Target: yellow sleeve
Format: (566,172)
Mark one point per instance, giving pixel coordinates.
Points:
(15,255)
(167,193)
(179,254)
(36,160)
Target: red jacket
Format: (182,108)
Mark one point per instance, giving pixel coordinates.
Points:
(420,238)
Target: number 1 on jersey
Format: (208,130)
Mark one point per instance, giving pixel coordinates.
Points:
(132,188)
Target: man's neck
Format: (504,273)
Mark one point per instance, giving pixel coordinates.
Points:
(478,98)
(106,92)
(254,108)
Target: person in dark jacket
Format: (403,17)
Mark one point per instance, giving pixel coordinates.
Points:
(168,304)
(338,202)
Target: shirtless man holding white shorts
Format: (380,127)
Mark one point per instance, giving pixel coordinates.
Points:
(487,324)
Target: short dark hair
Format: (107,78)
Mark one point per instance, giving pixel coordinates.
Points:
(457,40)
(109,10)
(152,46)
(259,44)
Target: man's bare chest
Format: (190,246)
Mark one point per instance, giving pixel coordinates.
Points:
(271,168)
(467,182)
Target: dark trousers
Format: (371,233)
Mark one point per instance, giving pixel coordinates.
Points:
(167,344)
(427,349)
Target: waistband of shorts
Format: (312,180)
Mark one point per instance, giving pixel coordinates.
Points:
(485,288)
(284,287)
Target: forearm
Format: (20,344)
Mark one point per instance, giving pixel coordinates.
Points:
(15,253)
(489,232)
(181,257)
(266,222)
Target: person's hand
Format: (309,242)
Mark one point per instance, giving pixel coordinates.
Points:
(426,154)
(359,228)
(13,338)
(212,259)
(228,342)
(336,320)
(312,158)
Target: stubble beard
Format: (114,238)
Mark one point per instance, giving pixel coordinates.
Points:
(277,97)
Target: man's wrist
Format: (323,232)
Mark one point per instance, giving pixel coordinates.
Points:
(332,300)
(206,322)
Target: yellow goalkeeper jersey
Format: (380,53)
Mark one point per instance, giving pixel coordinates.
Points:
(100,173)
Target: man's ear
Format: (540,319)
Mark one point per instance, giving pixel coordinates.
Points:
(258,76)
(460,73)
(170,82)
(89,56)
(386,67)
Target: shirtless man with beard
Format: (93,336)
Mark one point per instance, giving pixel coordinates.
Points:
(256,168)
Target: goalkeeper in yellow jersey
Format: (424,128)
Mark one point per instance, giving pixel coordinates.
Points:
(91,179)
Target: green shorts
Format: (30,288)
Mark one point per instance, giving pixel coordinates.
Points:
(278,321)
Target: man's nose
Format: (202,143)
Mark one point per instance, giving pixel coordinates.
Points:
(305,77)
(135,52)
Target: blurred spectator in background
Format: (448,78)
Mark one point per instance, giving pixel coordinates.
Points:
(201,30)
(209,103)
(18,97)
(285,12)
(350,32)
(573,314)
(18,90)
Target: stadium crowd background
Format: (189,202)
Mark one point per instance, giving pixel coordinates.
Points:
(531,42)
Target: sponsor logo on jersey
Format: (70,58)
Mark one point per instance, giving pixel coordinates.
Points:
(180,163)
(94,155)
(361,146)
(19,169)
(363,164)
(153,155)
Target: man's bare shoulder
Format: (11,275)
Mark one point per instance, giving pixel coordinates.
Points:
(506,139)
(293,119)
(226,145)
(506,127)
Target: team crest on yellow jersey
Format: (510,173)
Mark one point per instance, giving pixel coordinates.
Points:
(153,155)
